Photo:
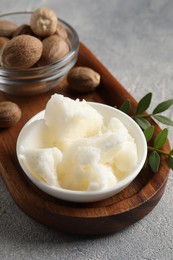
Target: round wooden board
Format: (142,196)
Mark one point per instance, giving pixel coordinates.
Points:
(106,216)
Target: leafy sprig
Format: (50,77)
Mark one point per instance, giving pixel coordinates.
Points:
(142,119)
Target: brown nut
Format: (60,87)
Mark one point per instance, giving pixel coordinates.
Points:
(3,41)
(83,79)
(21,52)
(10,114)
(7,28)
(54,49)
(61,31)
(43,22)
(23,29)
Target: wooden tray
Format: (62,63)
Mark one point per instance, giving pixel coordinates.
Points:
(106,216)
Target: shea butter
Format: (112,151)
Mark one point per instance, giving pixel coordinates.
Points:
(74,148)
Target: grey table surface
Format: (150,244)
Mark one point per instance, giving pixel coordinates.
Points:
(134,40)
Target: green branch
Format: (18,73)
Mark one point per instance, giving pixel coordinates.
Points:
(141,116)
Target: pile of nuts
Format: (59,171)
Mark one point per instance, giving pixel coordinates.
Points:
(42,42)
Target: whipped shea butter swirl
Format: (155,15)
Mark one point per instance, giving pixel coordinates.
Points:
(73,148)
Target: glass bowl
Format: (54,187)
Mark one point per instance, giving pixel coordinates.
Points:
(40,79)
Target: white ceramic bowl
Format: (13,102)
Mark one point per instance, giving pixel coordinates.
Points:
(91,196)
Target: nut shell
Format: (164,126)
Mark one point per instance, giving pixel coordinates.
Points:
(21,52)
(3,41)
(61,31)
(43,22)
(23,29)
(7,28)
(54,49)
(10,114)
(83,79)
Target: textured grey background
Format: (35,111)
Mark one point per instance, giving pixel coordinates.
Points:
(134,40)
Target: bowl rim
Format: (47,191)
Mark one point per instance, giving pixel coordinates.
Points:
(121,183)
(60,63)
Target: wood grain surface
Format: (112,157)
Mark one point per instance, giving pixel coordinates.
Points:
(106,216)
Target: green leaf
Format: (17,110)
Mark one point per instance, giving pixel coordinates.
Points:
(148,132)
(144,103)
(170,162)
(163,106)
(142,122)
(125,107)
(161,138)
(154,161)
(163,119)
